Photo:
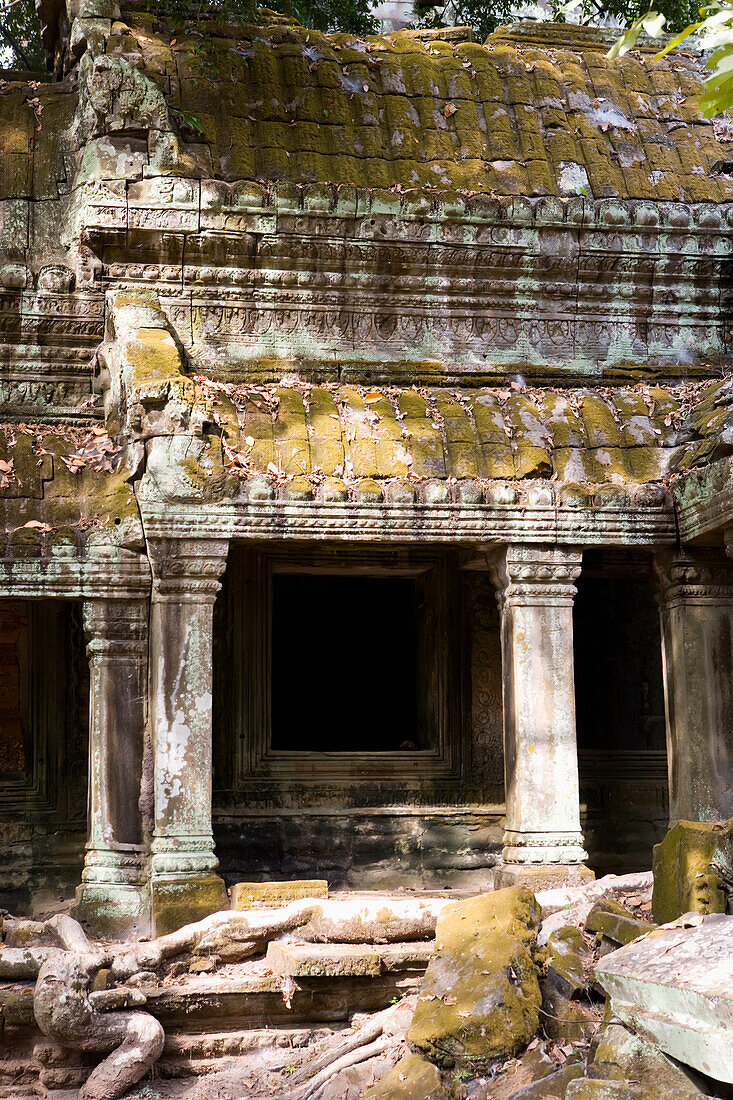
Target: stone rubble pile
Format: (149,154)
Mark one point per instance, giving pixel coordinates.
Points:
(579,993)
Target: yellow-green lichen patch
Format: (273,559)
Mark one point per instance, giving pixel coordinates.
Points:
(279,102)
(625,436)
(61,484)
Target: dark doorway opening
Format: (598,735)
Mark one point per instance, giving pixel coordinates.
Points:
(618,666)
(345,657)
(619,700)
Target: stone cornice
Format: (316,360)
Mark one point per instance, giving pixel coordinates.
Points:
(117,575)
(434,523)
(190,206)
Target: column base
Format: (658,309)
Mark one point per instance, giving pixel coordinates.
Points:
(113,910)
(539,876)
(179,899)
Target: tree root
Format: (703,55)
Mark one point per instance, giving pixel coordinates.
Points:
(385,1029)
(68,1011)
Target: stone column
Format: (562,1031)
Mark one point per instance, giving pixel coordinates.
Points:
(186,575)
(543,843)
(113,897)
(696,609)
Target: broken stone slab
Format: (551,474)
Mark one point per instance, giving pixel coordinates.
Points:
(572,905)
(567,953)
(676,987)
(553,1087)
(250,895)
(323,960)
(533,1066)
(612,920)
(591,1088)
(480,996)
(414,1078)
(620,1055)
(685,877)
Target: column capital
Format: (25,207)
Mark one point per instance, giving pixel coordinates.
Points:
(525,573)
(693,574)
(116,627)
(187,570)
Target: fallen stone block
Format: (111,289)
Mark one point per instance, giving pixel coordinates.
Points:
(535,1065)
(620,1055)
(567,953)
(685,877)
(676,987)
(564,907)
(609,918)
(414,1078)
(564,1016)
(250,895)
(480,997)
(323,960)
(591,1088)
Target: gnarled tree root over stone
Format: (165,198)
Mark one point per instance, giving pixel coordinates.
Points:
(68,1010)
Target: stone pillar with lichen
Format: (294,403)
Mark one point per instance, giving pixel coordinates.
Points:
(696,609)
(184,882)
(536,590)
(113,897)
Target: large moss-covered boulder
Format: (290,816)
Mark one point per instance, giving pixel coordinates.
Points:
(480,997)
(685,876)
(414,1078)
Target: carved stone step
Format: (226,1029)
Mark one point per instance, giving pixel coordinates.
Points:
(324,960)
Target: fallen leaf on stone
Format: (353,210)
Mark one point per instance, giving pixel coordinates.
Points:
(6,467)
(36,523)
(450,109)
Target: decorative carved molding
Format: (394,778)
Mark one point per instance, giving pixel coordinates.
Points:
(530,575)
(693,575)
(436,523)
(549,847)
(187,569)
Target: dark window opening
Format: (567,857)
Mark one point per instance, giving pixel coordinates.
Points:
(345,664)
(618,666)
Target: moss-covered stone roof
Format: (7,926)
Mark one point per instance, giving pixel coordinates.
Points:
(627,435)
(59,484)
(533,112)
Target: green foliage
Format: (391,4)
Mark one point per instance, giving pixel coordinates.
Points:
(20,30)
(352,16)
(485,16)
(20,36)
(714,33)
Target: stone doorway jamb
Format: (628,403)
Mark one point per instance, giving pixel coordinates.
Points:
(543,842)
(696,609)
(113,898)
(184,883)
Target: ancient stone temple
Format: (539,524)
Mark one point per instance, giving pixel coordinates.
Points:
(365,464)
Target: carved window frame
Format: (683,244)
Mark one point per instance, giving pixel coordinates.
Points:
(250,640)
